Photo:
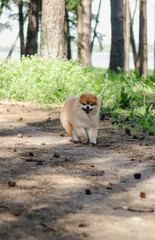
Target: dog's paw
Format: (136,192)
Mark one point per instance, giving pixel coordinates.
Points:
(84,140)
(93,142)
(75,139)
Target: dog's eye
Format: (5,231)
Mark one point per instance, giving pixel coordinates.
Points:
(91,104)
(84,104)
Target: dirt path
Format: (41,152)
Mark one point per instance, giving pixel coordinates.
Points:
(53,189)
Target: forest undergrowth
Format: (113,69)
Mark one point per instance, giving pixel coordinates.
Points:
(126,97)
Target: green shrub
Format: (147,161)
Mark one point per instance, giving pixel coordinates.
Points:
(44,81)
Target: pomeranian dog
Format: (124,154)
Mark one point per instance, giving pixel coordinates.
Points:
(80,116)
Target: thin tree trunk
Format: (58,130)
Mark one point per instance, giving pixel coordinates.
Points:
(21,28)
(117,42)
(126,13)
(69,53)
(132,40)
(97,17)
(32,33)
(53,29)
(80,30)
(133,44)
(143,38)
(84,32)
(87,32)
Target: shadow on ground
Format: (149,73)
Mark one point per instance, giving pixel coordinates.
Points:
(64,191)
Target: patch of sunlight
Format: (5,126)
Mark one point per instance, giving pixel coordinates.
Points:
(17,196)
(6,218)
(61,181)
(44,138)
(39,206)
(101,226)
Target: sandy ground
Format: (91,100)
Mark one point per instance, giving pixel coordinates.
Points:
(53,189)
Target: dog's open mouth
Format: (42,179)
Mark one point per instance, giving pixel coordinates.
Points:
(87,110)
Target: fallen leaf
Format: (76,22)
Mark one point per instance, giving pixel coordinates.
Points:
(143,195)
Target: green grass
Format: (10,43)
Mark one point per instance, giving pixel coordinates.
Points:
(124,95)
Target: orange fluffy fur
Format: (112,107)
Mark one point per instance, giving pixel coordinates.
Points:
(80,116)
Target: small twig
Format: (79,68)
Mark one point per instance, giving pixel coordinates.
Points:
(48,227)
(140,210)
(30,159)
(132,20)
(100,93)
(150,107)
(135,209)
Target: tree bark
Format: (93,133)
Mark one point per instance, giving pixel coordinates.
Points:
(53,29)
(143,38)
(132,40)
(84,32)
(80,31)
(133,44)
(117,42)
(21,28)
(32,33)
(69,53)
(126,13)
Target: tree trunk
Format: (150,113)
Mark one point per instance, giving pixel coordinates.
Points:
(32,33)
(79,31)
(117,42)
(53,29)
(84,32)
(133,44)
(69,53)
(21,26)
(126,13)
(143,38)
(97,21)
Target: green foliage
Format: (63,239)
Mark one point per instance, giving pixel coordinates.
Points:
(3,3)
(145,119)
(45,81)
(124,100)
(73,4)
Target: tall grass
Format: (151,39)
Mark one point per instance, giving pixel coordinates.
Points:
(50,81)
(44,81)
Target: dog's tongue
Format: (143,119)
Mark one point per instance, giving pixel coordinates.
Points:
(87,110)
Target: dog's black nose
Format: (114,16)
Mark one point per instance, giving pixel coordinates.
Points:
(87,107)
